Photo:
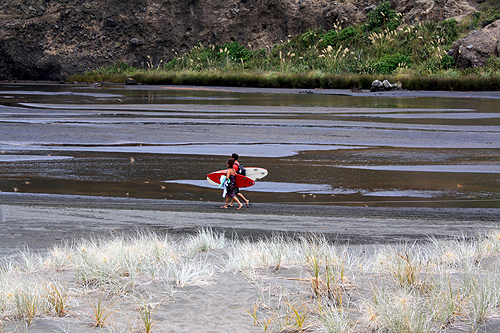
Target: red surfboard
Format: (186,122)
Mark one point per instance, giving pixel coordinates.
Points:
(241,181)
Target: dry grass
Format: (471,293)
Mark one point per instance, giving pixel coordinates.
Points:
(303,285)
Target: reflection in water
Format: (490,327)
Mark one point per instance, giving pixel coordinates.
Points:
(248,150)
(319,146)
(19,158)
(275,187)
(464,168)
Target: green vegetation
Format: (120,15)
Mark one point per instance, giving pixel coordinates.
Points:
(344,57)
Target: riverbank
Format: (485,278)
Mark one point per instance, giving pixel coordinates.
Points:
(310,80)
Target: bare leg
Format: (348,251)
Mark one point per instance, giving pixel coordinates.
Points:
(227,202)
(244,199)
(240,205)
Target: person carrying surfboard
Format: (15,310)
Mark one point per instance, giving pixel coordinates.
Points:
(239,170)
(231,187)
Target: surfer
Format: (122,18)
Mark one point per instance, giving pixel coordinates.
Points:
(236,167)
(231,187)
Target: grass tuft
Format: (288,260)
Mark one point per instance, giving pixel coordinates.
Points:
(102,308)
(57,299)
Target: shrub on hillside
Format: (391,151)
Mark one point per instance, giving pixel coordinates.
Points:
(235,51)
(448,30)
(347,33)
(333,37)
(307,39)
(387,64)
(382,16)
(447,62)
(493,63)
(490,15)
(329,38)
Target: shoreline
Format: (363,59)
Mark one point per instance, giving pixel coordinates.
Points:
(402,93)
(40,221)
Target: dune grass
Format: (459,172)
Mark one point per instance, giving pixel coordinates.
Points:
(433,286)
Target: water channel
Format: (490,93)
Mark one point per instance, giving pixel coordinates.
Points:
(414,149)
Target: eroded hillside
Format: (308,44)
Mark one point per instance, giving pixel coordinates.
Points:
(51,40)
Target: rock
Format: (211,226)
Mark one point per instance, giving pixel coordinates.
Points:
(476,48)
(136,41)
(385,85)
(110,22)
(377,86)
(421,10)
(130,81)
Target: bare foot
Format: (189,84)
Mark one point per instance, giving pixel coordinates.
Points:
(225,207)
(240,206)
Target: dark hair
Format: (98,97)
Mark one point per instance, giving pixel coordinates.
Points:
(231,162)
(235,156)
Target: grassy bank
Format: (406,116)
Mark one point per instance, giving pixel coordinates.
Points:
(310,80)
(344,57)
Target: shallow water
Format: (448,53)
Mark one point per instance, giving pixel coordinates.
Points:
(325,146)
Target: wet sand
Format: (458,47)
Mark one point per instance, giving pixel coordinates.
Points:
(38,221)
(401,148)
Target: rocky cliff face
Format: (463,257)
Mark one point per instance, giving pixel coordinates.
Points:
(50,40)
(475,49)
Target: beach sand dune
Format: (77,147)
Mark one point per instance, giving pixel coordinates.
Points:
(258,278)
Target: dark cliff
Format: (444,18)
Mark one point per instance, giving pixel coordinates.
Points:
(50,40)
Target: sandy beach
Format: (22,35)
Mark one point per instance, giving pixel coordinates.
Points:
(39,221)
(224,299)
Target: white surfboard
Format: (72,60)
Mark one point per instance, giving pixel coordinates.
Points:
(253,173)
